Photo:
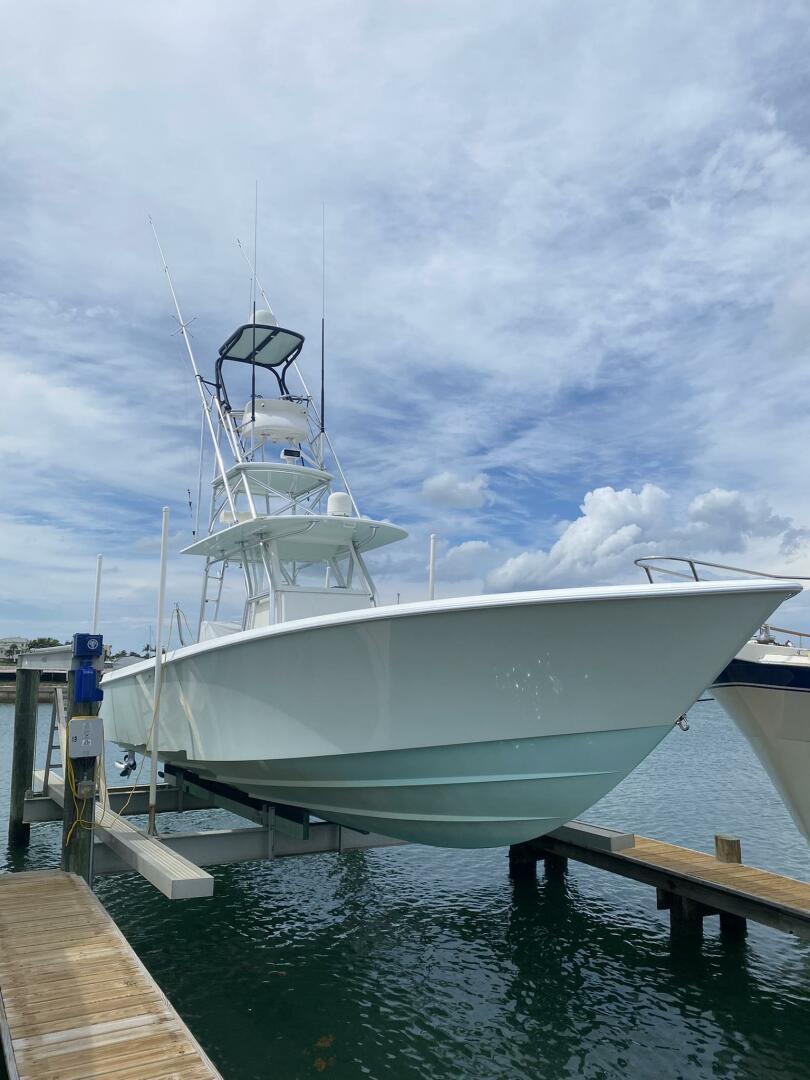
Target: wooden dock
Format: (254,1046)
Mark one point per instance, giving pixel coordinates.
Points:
(689,884)
(76,1003)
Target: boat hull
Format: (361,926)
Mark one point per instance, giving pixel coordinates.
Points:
(475,722)
(770,704)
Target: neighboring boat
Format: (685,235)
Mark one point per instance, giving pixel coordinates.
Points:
(765,689)
(469,722)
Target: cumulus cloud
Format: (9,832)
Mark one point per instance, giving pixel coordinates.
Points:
(466,560)
(616,527)
(448,489)
(724,520)
(612,523)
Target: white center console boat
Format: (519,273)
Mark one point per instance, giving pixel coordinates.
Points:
(471,722)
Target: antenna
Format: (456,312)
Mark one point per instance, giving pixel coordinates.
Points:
(255,264)
(323,308)
(300,375)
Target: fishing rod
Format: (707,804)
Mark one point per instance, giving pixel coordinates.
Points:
(198,377)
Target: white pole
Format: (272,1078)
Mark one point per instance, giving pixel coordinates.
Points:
(97,596)
(164,555)
(432,567)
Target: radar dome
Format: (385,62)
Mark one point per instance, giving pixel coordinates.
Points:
(265,317)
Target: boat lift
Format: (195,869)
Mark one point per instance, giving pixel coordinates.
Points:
(173,862)
(690,885)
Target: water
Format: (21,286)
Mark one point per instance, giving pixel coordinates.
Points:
(414,963)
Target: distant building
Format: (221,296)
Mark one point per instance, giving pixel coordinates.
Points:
(11,647)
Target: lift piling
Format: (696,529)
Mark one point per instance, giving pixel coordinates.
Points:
(82,744)
(22,758)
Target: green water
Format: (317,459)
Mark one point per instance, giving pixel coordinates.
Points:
(419,963)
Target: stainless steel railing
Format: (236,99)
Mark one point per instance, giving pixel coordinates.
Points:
(646,561)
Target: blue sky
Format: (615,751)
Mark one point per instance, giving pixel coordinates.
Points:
(568,280)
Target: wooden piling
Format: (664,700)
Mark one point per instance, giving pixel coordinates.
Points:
(555,865)
(22,762)
(686,914)
(522,862)
(728,849)
(78,819)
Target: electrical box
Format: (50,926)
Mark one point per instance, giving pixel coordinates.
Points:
(85,736)
(86,645)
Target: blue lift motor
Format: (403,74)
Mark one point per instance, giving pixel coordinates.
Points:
(86,688)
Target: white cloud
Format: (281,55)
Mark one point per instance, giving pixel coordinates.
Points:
(616,527)
(450,490)
(612,524)
(469,559)
(725,520)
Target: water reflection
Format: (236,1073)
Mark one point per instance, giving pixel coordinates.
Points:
(409,963)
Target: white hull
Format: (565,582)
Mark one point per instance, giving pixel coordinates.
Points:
(474,722)
(766,691)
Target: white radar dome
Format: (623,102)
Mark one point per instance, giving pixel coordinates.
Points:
(264,317)
(276,421)
(339,504)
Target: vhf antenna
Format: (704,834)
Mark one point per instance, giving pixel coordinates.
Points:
(310,398)
(323,310)
(253,365)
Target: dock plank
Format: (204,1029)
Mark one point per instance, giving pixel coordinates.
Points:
(753,882)
(77,1003)
(732,888)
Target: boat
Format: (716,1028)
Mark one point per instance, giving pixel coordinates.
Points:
(765,689)
(468,722)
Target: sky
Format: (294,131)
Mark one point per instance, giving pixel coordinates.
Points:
(567,281)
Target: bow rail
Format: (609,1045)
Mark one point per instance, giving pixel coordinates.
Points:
(646,561)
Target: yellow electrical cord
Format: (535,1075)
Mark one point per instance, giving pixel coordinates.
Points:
(79,811)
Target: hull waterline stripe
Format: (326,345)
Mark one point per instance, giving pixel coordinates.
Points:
(430,781)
